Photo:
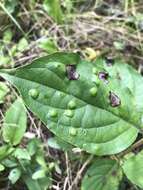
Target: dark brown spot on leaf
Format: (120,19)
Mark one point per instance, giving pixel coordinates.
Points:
(118,76)
(114,99)
(114,173)
(109,61)
(103,76)
(71,72)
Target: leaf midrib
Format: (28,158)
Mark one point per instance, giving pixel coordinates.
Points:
(2,74)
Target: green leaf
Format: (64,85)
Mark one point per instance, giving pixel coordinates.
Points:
(4,60)
(36,184)
(14,175)
(48,45)
(5,150)
(3,91)
(38,174)
(1,168)
(103,174)
(10,162)
(52,142)
(14,125)
(54,10)
(119,45)
(133,169)
(2,6)
(22,44)
(97,111)
(33,146)
(7,37)
(10,5)
(22,153)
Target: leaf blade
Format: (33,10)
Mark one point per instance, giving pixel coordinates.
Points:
(14,125)
(93,131)
(103,174)
(132,167)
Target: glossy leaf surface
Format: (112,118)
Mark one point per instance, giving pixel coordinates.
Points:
(95,106)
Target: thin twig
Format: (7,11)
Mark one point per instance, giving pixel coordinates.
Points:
(79,173)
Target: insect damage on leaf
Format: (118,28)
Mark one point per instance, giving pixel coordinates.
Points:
(103,76)
(114,99)
(109,61)
(80,103)
(71,72)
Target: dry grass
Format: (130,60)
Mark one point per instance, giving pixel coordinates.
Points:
(82,29)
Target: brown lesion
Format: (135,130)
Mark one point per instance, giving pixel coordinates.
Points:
(114,99)
(102,75)
(72,73)
(109,61)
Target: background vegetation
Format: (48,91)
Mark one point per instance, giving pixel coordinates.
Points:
(33,28)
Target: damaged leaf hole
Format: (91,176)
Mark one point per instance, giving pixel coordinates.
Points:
(109,61)
(103,76)
(71,72)
(114,99)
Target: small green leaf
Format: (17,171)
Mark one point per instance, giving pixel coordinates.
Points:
(38,174)
(40,160)
(3,91)
(22,153)
(33,146)
(1,168)
(10,162)
(36,184)
(48,45)
(54,10)
(53,143)
(22,44)
(119,45)
(133,169)
(10,5)
(103,174)
(14,175)
(5,150)
(14,125)
(7,36)
(4,60)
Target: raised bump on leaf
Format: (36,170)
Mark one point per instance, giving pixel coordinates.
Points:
(53,113)
(93,91)
(72,104)
(33,93)
(68,113)
(72,131)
